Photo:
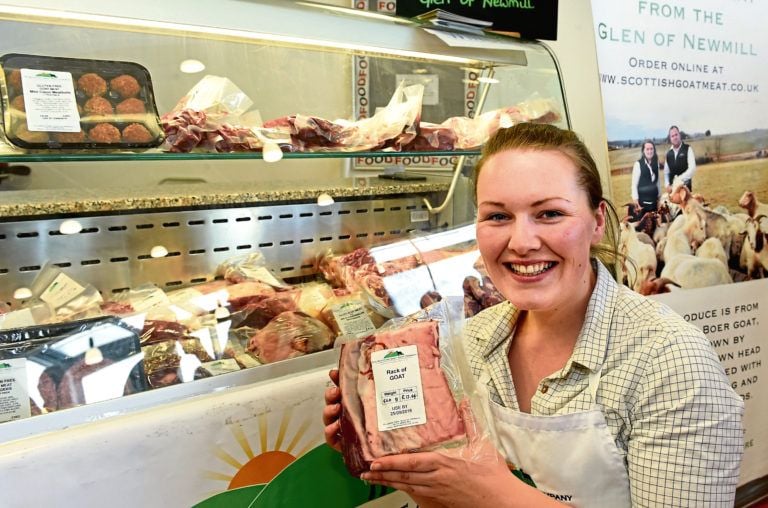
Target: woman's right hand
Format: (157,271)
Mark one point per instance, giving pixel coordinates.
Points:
(332,411)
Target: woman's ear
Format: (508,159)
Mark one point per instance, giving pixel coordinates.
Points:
(600,218)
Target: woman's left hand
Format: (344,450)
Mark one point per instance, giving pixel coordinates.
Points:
(472,476)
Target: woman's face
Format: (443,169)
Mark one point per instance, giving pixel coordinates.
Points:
(535,229)
(648,151)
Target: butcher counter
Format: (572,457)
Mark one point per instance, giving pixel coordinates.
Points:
(142,218)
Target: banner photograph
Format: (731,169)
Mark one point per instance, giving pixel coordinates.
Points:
(684,97)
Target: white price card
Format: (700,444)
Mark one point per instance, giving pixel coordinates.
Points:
(14,396)
(352,318)
(399,394)
(49,101)
(61,290)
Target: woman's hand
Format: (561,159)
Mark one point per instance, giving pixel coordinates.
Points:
(331,412)
(472,476)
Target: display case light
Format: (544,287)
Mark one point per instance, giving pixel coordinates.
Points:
(191,66)
(70,227)
(158,251)
(325,199)
(271,152)
(93,354)
(22,293)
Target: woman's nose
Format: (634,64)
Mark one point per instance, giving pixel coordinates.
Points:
(523,237)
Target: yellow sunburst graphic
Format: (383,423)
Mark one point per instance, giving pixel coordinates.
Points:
(262,467)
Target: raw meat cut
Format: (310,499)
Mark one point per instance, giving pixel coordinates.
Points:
(361,440)
(289,335)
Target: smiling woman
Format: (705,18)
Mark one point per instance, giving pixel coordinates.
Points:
(630,398)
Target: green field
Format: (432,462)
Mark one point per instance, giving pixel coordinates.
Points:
(721,182)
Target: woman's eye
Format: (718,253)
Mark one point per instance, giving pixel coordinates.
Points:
(495,217)
(550,214)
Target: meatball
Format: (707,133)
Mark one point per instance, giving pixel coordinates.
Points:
(130,107)
(126,86)
(98,106)
(69,137)
(18,103)
(25,134)
(137,133)
(104,133)
(13,79)
(91,84)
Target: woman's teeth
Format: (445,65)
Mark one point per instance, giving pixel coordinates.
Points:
(536,269)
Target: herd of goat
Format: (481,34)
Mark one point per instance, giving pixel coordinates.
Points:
(687,244)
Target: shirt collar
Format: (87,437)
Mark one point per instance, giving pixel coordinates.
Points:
(592,343)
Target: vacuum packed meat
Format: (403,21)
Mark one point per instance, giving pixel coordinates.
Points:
(361,439)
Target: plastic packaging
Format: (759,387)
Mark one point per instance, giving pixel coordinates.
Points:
(64,365)
(388,130)
(214,116)
(408,388)
(248,267)
(464,133)
(289,335)
(75,103)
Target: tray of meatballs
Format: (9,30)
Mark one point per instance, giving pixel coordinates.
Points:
(73,103)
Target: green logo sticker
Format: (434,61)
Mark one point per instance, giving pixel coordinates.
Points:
(393,354)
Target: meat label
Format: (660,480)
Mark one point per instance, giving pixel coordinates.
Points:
(49,99)
(61,290)
(14,396)
(352,318)
(399,394)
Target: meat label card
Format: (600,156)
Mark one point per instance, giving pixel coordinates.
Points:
(14,397)
(352,318)
(399,396)
(49,100)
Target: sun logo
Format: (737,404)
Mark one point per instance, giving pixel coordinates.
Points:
(261,467)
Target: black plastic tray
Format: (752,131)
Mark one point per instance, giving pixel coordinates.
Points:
(144,129)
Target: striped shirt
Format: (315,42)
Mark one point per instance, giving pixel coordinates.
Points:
(665,396)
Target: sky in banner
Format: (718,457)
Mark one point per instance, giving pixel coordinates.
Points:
(699,64)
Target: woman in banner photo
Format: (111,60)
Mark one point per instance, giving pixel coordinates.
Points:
(599,396)
(646,184)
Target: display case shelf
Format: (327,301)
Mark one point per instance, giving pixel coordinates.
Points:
(156,155)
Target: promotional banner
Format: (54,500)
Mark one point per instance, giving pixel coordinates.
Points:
(685,93)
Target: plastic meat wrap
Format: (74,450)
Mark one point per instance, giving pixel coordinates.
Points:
(402,277)
(389,129)
(214,117)
(248,267)
(464,133)
(58,366)
(289,335)
(57,297)
(407,387)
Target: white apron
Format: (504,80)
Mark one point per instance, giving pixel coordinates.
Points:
(572,458)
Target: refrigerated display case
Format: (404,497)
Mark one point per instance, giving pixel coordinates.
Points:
(169,217)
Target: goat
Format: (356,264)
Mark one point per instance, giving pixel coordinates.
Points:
(754,252)
(691,272)
(713,249)
(750,203)
(639,262)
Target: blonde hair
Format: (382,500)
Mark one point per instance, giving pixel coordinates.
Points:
(544,137)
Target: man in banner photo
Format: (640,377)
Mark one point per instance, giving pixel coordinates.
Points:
(681,160)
